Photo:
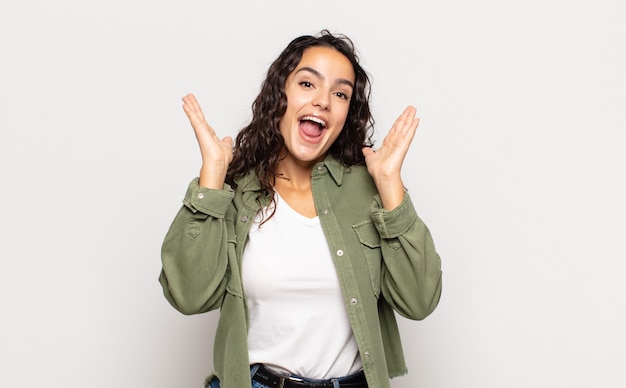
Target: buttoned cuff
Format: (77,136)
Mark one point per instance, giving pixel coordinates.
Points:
(208,201)
(393,223)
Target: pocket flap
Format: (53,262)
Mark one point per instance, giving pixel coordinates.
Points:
(367,234)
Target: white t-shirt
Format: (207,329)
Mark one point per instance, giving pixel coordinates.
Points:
(298,320)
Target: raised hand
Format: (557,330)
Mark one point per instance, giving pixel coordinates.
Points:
(385,163)
(216,154)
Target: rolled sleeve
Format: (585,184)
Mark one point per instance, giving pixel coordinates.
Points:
(393,223)
(211,202)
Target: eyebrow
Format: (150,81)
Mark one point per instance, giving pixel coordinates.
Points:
(342,81)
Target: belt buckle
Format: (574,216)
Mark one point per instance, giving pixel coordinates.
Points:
(289,378)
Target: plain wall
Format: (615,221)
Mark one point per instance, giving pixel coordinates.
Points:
(518,169)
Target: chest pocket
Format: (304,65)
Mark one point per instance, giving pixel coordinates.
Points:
(370,243)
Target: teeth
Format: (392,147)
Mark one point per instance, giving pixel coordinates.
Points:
(315,120)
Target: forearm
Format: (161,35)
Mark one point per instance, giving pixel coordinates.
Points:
(391,191)
(213,175)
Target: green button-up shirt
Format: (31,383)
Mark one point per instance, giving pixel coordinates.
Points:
(385,260)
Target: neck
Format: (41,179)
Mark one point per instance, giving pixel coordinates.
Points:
(294,174)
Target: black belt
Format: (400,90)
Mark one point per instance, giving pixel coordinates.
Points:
(274,380)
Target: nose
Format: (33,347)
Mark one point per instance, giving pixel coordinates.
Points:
(322,99)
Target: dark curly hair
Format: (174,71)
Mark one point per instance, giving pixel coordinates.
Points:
(258,145)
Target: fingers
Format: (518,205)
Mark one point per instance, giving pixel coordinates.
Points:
(407,121)
(403,130)
(227,141)
(196,117)
(367,152)
(192,108)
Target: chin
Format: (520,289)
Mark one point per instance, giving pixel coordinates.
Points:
(310,156)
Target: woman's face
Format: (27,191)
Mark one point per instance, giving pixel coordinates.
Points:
(318,94)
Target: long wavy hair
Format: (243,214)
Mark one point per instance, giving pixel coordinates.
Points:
(258,146)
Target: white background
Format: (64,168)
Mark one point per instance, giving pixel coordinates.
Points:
(518,169)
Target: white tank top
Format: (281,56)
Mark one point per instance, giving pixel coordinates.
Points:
(298,320)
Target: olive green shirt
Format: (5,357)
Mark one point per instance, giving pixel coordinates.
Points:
(385,260)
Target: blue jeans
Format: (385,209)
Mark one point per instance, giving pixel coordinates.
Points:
(215,383)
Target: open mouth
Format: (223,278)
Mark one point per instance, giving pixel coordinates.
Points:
(312,126)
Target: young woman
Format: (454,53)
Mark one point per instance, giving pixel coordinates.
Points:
(303,236)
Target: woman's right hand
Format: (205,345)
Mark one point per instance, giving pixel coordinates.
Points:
(216,154)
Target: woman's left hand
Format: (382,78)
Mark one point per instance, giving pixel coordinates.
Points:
(385,163)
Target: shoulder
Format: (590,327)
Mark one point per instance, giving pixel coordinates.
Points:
(248,182)
(357,170)
(358,175)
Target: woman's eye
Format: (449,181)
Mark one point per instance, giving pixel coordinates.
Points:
(341,95)
(306,84)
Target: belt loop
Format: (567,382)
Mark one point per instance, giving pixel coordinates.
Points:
(254,369)
(335,383)
(282,382)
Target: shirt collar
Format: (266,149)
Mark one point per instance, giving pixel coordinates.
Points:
(250,182)
(335,168)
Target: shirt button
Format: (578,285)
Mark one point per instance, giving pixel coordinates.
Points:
(200,195)
(325,211)
(320,168)
(340,253)
(367,354)
(353,301)
(244,219)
